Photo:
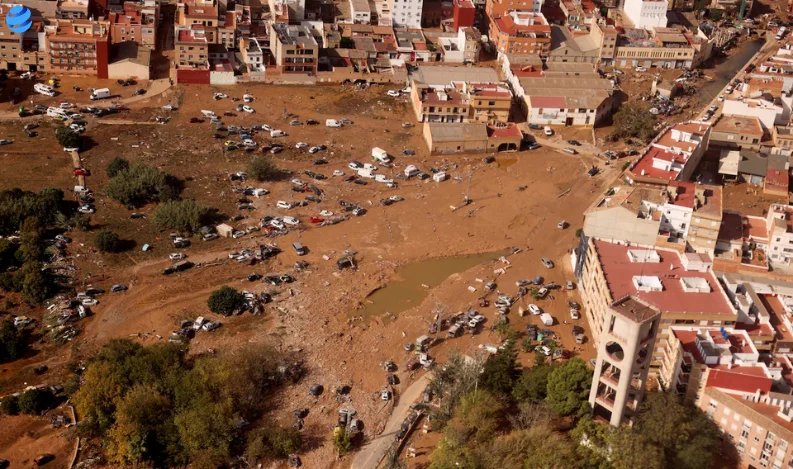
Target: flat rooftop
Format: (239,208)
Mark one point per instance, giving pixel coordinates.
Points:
(619,272)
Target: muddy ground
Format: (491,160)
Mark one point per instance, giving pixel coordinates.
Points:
(321,315)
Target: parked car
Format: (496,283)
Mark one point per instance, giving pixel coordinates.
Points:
(548,131)
(547,262)
(570,150)
(284,205)
(641,69)
(534,309)
(118,288)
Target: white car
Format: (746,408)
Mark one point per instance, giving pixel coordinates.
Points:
(393,93)
(382,178)
(221,95)
(238,234)
(721,98)
(248,109)
(575,314)
(547,130)
(545,351)
(654,111)
(338,173)
(71,149)
(246,98)
(90,302)
(297,182)
(406,90)
(77,128)
(354,165)
(284,205)
(301,145)
(66,105)
(22,321)
(248,143)
(326,213)
(534,309)
(177,256)
(641,69)
(86,209)
(313,150)
(276,223)
(478,318)
(266,127)
(291,221)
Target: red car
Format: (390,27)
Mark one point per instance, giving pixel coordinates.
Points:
(196,120)
(316,220)
(81,172)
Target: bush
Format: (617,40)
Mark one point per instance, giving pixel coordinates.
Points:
(10,405)
(341,441)
(12,342)
(35,401)
(225,300)
(633,120)
(262,168)
(140,184)
(107,241)
(116,166)
(183,215)
(68,138)
(276,441)
(579,232)
(35,287)
(17,205)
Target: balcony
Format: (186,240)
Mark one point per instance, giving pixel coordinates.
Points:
(606,400)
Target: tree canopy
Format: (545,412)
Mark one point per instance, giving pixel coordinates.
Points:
(501,370)
(568,388)
(262,168)
(225,300)
(140,184)
(633,120)
(115,166)
(108,241)
(68,138)
(183,215)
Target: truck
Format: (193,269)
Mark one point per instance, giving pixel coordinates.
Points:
(101,93)
(380,155)
(546,319)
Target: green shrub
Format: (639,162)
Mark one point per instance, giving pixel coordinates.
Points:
(12,342)
(68,138)
(225,300)
(262,168)
(35,401)
(116,166)
(182,215)
(107,241)
(10,405)
(140,184)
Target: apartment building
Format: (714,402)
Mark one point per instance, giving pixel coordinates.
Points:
(522,33)
(462,102)
(25,51)
(681,216)
(737,133)
(488,103)
(252,55)
(623,359)
(294,48)
(646,14)
(661,48)
(78,47)
(192,48)
(575,99)
(135,24)
(681,286)
(780,233)
(495,8)
(673,155)
(406,13)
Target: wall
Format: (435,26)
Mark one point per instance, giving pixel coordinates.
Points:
(222,78)
(196,77)
(127,69)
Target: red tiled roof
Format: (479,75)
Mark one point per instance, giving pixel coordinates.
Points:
(731,227)
(685,194)
(755,329)
(554,102)
(776,177)
(729,380)
(508,131)
(619,272)
(645,164)
(755,227)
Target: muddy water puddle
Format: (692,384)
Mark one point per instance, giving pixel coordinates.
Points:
(412,283)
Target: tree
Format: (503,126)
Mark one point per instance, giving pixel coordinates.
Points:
(262,168)
(116,166)
(568,388)
(501,370)
(31,242)
(341,441)
(12,342)
(225,300)
(35,401)
(140,184)
(17,205)
(68,138)
(629,450)
(633,120)
(107,241)
(10,405)
(275,441)
(532,386)
(687,437)
(35,287)
(182,215)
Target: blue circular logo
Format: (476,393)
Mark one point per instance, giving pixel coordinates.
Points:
(18,19)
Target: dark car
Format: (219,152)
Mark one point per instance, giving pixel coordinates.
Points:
(360,182)
(254,277)
(312,198)
(311,122)
(43,459)
(535,126)
(320,161)
(574,143)
(407,152)
(196,120)
(218,136)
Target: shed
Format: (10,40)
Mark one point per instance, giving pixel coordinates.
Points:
(224,230)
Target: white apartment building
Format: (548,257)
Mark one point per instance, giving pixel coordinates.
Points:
(780,233)
(406,13)
(647,14)
(360,12)
(770,114)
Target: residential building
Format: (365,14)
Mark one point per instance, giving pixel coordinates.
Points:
(770,113)
(192,48)
(623,360)
(736,133)
(73,9)
(471,137)
(518,32)
(606,37)
(772,171)
(294,48)
(646,14)
(462,46)
(360,11)
(78,47)
(783,138)
(780,233)
(661,48)
(673,155)
(25,51)
(253,56)
(464,14)
(406,13)
(135,24)
(495,8)
(681,286)
(461,102)
(555,97)
(566,47)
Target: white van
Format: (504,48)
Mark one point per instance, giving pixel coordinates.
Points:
(332,123)
(365,173)
(41,88)
(546,319)
(56,112)
(380,155)
(208,114)
(411,171)
(101,93)
(548,131)
(277,133)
